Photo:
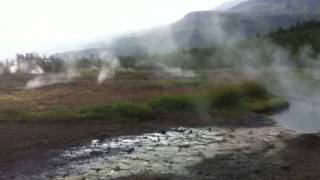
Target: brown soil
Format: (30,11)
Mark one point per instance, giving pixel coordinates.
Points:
(20,141)
(82,91)
(23,141)
(24,144)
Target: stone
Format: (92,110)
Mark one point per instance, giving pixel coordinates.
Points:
(285,167)
(117,168)
(130,150)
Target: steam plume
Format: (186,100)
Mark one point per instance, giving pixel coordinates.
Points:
(109,66)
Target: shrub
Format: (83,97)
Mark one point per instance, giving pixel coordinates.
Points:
(225,97)
(234,95)
(253,90)
(171,104)
(267,105)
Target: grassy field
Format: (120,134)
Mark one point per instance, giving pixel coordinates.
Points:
(137,97)
(37,120)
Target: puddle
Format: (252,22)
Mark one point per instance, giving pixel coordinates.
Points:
(302,117)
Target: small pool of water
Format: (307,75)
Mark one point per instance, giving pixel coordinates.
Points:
(302,116)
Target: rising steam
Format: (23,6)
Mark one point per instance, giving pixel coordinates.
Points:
(26,67)
(109,66)
(176,71)
(49,79)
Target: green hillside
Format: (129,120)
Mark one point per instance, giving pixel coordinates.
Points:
(302,34)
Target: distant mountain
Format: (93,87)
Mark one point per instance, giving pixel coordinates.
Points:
(200,29)
(228,5)
(242,19)
(277,6)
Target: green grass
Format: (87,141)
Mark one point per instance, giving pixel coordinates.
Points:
(170,104)
(223,100)
(118,111)
(235,95)
(266,105)
(7,115)
(115,112)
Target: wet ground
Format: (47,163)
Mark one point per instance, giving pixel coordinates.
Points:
(216,153)
(246,151)
(171,152)
(166,152)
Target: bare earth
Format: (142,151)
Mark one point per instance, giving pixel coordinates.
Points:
(97,150)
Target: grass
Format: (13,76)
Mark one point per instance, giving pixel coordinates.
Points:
(235,95)
(170,104)
(117,111)
(266,105)
(223,99)
(14,115)
(233,100)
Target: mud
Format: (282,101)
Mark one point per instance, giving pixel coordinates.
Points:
(170,152)
(295,158)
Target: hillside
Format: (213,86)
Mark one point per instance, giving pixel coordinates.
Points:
(277,6)
(207,28)
(302,34)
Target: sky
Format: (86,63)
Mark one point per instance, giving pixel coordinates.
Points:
(56,25)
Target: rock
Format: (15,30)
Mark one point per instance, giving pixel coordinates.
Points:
(96,141)
(276,134)
(130,150)
(117,168)
(180,130)
(285,167)
(95,153)
(184,146)
(189,132)
(97,170)
(163,132)
(231,136)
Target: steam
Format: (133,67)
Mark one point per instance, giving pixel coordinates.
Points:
(109,66)
(176,71)
(272,65)
(51,79)
(26,67)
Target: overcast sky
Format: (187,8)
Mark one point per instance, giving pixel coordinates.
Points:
(42,25)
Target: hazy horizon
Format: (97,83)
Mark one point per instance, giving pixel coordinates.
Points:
(46,26)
